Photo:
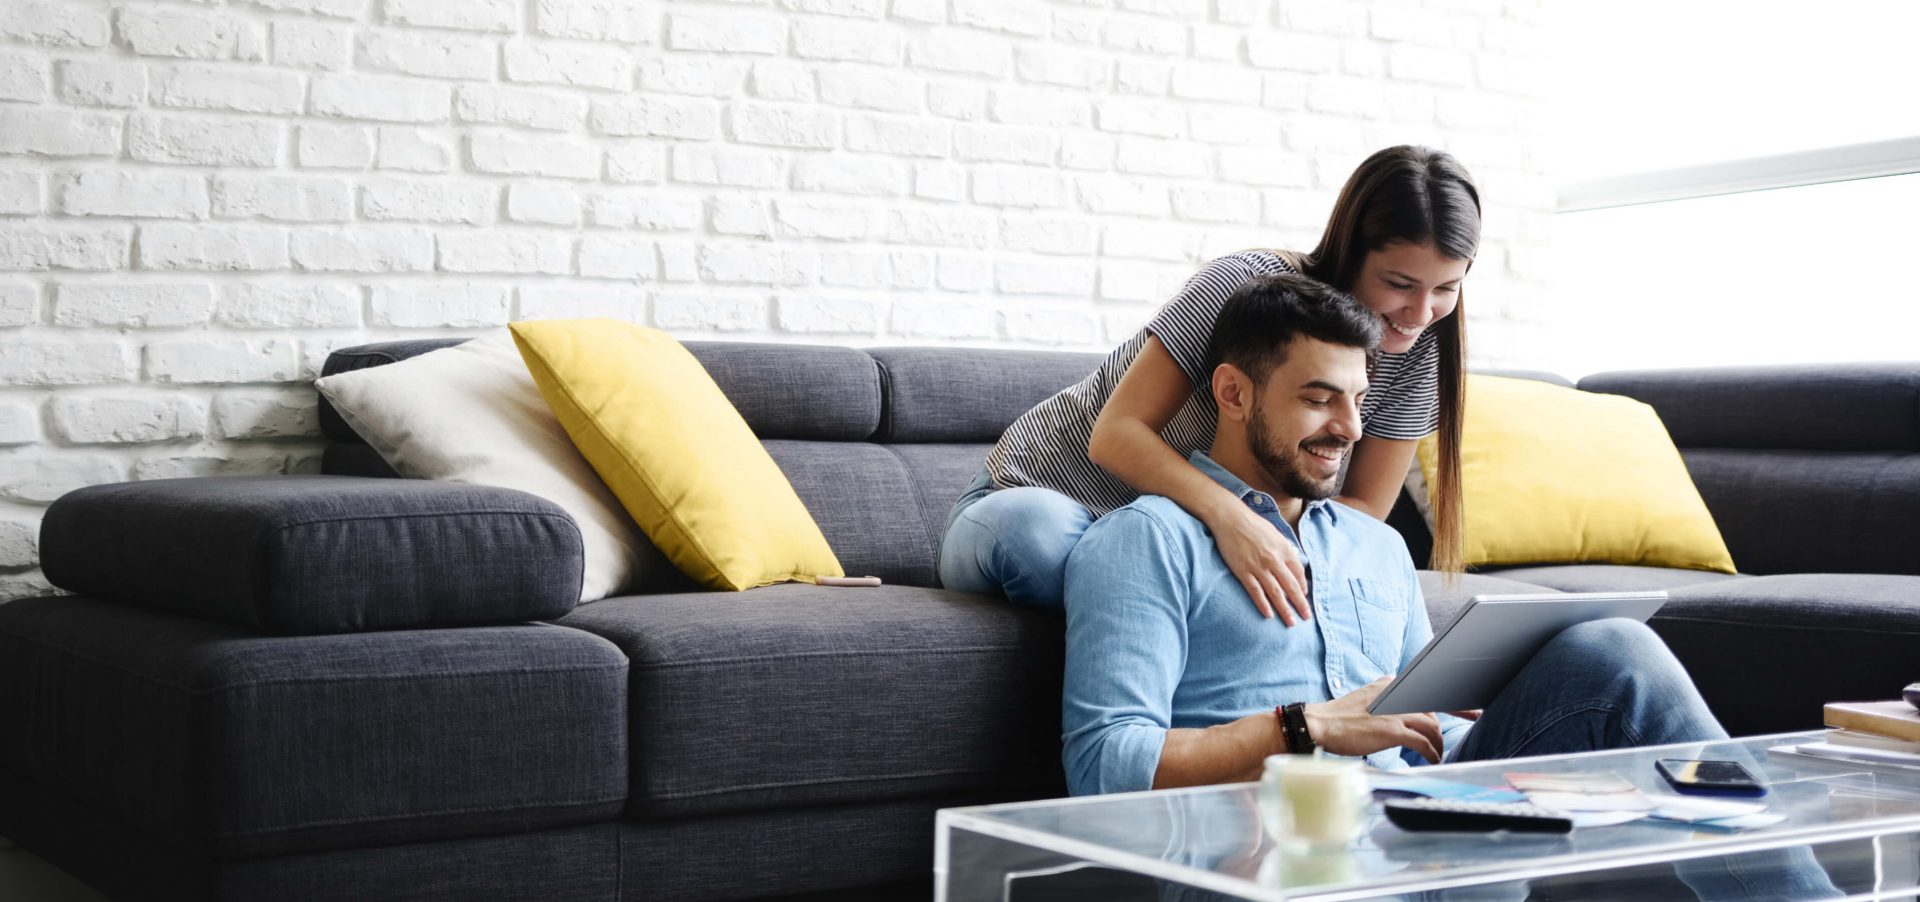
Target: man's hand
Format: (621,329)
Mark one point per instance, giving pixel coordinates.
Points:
(1344,727)
(1267,565)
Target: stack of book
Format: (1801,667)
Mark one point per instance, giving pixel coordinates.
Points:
(1882,732)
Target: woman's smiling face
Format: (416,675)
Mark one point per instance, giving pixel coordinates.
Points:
(1410,287)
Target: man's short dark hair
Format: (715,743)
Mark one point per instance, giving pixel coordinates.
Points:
(1263,316)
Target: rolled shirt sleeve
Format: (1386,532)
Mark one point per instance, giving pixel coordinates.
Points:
(1126,603)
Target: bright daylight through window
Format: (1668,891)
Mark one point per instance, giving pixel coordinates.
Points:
(1813,270)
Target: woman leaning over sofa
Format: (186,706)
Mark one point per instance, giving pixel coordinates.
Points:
(1401,238)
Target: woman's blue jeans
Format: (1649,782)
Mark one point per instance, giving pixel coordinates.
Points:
(1012,542)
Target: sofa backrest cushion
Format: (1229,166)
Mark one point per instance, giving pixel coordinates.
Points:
(1832,407)
(967,395)
(878,445)
(1806,468)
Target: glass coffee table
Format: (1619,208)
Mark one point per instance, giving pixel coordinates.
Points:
(1855,825)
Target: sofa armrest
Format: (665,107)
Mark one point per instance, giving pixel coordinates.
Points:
(305,555)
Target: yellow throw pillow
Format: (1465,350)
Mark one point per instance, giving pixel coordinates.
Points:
(675,452)
(1551,474)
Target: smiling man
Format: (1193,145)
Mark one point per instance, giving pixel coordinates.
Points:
(1174,679)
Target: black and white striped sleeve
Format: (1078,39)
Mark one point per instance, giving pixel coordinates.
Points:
(1185,324)
(1405,398)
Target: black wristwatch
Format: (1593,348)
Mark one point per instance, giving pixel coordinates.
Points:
(1293,723)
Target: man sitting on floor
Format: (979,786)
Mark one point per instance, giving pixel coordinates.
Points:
(1173,677)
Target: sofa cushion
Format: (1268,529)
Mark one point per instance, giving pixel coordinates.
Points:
(1551,474)
(360,357)
(782,391)
(316,554)
(1817,407)
(1812,511)
(807,695)
(966,395)
(674,451)
(261,746)
(796,391)
(1608,577)
(1767,652)
(471,414)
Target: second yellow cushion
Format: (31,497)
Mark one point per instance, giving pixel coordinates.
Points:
(676,453)
(1551,474)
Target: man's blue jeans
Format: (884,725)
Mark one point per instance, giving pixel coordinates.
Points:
(1613,684)
(1012,542)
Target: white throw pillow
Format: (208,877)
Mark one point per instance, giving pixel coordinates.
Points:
(471,414)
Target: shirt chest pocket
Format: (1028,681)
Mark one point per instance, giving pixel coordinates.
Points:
(1380,609)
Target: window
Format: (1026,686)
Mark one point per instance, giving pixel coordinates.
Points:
(1665,110)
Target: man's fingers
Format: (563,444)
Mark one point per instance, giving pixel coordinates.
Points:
(1426,748)
(1428,729)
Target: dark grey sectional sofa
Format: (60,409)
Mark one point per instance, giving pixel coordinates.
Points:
(354,687)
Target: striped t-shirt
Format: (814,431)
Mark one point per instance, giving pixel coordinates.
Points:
(1047,446)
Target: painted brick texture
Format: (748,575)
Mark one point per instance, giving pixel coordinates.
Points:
(198,200)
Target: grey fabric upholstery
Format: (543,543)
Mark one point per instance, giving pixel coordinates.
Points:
(360,357)
(883,508)
(817,392)
(939,474)
(258,746)
(782,391)
(1608,577)
(777,851)
(733,856)
(1857,407)
(1767,652)
(955,395)
(564,863)
(803,695)
(317,554)
(1812,511)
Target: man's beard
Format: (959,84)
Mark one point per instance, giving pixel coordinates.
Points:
(1283,465)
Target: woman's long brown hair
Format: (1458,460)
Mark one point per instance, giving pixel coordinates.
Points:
(1422,196)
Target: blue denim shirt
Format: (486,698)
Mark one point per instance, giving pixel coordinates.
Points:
(1160,634)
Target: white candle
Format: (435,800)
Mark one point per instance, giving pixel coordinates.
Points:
(1316,801)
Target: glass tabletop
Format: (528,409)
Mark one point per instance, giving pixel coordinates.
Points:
(1211,837)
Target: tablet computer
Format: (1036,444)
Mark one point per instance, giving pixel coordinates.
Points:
(1477,655)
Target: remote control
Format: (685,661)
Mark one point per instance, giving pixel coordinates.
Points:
(1474,817)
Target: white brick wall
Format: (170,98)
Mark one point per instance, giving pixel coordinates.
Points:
(198,200)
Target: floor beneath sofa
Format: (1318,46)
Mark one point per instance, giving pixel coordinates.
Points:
(24,875)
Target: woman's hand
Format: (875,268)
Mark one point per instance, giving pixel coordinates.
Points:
(1267,565)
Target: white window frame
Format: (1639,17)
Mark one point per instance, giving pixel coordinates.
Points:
(1899,156)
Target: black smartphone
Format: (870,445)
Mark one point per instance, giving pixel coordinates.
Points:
(1709,777)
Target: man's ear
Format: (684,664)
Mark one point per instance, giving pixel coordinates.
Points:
(1232,392)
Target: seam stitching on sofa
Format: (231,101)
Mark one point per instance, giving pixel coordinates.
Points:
(919,505)
(697,793)
(334,822)
(448,513)
(864,653)
(118,668)
(884,432)
(321,681)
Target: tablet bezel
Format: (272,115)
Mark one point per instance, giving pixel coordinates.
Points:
(1637,606)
